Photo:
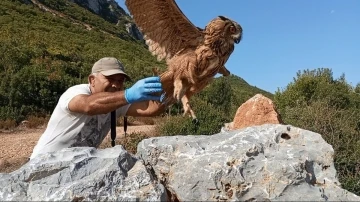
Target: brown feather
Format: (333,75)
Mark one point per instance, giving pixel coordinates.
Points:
(163,18)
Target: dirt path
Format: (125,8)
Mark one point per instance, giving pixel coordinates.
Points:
(16,147)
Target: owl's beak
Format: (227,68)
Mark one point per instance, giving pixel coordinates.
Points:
(237,40)
(238,36)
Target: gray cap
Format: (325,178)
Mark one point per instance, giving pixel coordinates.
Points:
(109,66)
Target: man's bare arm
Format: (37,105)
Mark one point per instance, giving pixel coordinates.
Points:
(97,103)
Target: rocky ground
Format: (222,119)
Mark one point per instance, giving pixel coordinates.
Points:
(16,146)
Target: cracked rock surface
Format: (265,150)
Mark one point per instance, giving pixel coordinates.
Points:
(268,162)
(82,173)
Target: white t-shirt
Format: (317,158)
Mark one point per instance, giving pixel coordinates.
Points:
(69,129)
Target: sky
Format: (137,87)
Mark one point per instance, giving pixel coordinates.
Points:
(281,37)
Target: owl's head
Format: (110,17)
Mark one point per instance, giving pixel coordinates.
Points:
(226,28)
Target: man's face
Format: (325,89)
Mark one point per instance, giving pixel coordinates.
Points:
(101,83)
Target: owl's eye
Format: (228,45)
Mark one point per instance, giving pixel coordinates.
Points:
(232,29)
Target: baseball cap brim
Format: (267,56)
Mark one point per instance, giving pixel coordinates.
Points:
(115,71)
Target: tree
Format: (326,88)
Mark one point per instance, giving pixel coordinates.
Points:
(219,94)
(357,88)
(313,85)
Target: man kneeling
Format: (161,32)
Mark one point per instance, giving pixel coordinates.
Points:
(82,115)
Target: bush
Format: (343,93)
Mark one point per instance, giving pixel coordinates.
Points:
(10,113)
(36,121)
(8,124)
(133,121)
(131,141)
(317,102)
(210,121)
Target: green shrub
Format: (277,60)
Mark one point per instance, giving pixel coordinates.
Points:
(210,121)
(317,102)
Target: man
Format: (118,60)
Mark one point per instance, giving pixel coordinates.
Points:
(82,115)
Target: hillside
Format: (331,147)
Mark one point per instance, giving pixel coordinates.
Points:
(48,45)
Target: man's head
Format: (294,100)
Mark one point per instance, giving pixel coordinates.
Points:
(108,75)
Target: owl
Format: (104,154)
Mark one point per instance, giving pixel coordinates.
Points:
(193,55)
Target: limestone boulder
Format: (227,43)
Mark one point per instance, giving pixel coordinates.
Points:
(270,162)
(82,174)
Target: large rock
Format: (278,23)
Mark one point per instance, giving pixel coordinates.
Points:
(256,111)
(268,162)
(134,31)
(112,12)
(107,9)
(78,174)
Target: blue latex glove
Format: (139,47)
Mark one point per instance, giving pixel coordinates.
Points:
(144,90)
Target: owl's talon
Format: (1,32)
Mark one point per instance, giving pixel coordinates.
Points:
(177,96)
(196,122)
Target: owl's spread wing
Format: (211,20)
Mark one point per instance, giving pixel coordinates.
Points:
(166,29)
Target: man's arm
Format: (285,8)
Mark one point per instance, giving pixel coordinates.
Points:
(105,102)
(146,108)
(97,103)
(140,96)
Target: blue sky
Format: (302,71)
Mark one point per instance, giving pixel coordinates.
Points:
(281,37)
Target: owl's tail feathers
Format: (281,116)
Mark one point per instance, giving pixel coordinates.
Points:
(165,79)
